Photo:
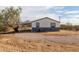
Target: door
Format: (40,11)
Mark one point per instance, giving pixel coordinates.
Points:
(37,24)
(37,27)
(53,25)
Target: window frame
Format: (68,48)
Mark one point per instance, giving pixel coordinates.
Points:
(53,25)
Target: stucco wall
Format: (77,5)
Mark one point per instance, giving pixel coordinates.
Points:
(45,23)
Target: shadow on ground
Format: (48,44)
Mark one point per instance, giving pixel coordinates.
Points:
(20,31)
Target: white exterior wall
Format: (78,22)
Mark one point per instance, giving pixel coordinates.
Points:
(45,23)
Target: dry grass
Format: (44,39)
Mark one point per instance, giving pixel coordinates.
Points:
(10,43)
(62,33)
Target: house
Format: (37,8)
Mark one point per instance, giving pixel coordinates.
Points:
(45,24)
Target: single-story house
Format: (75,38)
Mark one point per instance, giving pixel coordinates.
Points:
(45,24)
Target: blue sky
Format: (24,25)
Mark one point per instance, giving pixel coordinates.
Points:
(66,13)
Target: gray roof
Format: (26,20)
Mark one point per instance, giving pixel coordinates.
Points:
(44,18)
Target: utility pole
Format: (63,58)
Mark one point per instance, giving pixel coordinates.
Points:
(59,18)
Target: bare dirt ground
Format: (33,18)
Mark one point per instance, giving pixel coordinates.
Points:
(56,38)
(47,41)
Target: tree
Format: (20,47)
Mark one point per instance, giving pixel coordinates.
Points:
(11,17)
(76,27)
(1,22)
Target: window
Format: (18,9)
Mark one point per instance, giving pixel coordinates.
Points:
(37,24)
(53,25)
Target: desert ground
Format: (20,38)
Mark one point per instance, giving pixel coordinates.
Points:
(62,41)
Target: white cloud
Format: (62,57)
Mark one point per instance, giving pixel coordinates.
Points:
(73,16)
(56,7)
(74,20)
(71,12)
(59,11)
(35,12)
(31,11)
